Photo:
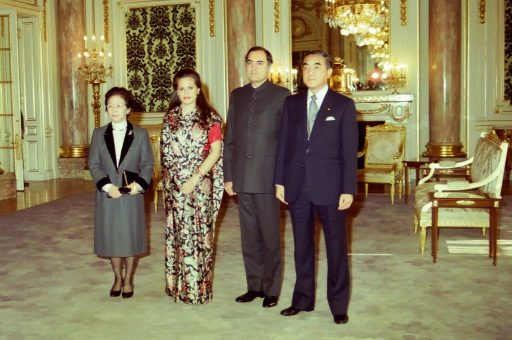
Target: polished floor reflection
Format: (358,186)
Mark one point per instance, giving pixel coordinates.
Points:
(39,192)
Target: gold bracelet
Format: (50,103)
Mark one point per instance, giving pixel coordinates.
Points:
(199,173)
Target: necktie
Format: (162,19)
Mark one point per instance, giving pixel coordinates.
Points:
(312,111)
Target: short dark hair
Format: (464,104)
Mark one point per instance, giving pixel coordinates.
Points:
(123,93)
(259,48)
(325,55)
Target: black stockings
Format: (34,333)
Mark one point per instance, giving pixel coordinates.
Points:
(125,281)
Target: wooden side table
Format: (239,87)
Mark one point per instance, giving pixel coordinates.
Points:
(459,199)
(416,165)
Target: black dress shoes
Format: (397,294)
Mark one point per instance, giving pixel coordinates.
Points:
(249,296)
(290,311)
(270,301)
(340,318)
(115,293)
(127,295)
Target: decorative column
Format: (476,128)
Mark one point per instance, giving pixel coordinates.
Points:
(241,36)
(444,79)
(73,90)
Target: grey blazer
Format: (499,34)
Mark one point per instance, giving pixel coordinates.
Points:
(250,143)
(120,223)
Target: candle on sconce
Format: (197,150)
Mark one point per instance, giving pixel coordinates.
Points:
(286,75)
(294,79)
(273,76)
(93,68)
(396,76)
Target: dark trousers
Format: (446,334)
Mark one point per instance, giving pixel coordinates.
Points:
(302,212)
(261,246)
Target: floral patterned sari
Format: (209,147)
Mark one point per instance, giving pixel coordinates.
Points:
(190,230)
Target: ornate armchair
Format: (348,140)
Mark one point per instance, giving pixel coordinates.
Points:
(154,137)
(463,203)
(384,149)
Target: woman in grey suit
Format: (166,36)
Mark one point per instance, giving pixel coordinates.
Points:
(121,164)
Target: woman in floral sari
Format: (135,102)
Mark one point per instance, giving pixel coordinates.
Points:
(191,147)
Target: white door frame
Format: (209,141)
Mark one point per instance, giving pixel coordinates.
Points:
(16,157)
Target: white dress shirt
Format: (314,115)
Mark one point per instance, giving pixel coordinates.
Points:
(320,95)
(119,133)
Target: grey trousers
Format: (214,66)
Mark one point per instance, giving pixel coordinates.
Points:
(261,245)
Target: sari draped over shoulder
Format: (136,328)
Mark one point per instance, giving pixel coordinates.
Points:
(190,229)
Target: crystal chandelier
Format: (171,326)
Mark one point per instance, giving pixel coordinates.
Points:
(367,20)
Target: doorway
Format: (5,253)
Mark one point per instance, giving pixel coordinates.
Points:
(11,158)
(24,137)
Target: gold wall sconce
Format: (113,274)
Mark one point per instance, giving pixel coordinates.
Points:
(93,70)
(394,76)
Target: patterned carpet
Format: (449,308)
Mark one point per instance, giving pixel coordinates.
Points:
(54,287)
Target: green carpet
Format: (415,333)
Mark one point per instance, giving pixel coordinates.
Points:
(53,287)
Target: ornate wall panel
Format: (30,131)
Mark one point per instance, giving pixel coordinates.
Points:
(159,41)
(508,50)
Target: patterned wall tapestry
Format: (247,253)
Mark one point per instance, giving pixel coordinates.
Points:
(159,41)
(508,50)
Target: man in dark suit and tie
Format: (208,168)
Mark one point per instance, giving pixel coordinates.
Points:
(250,145)
(316,173)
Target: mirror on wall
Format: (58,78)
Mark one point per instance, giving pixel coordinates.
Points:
(362,58)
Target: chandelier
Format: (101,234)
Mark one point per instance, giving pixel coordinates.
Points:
(367,20)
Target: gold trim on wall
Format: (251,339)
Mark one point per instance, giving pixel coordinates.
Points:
(106,24)
(481,11)
(277,16)
(381,108)
(45,32)
(73,151)
(211,12)
(403,12)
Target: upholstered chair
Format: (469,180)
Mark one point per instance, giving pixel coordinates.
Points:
(383,153)
(464,203)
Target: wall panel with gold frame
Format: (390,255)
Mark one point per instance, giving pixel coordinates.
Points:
(504,59)
(508,51)
(160,40)
(192,32)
